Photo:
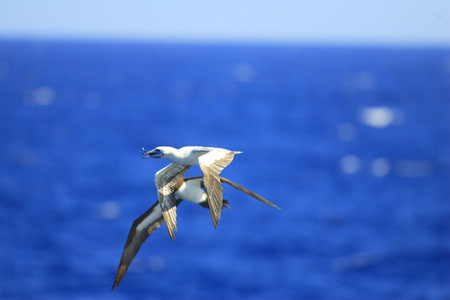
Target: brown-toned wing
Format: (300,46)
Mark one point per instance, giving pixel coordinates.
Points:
(211,165)
(248,192)
(141,229)
(165,180)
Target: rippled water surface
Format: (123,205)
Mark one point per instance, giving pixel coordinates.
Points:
(351,143)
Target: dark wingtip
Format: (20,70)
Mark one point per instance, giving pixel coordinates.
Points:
(120,274)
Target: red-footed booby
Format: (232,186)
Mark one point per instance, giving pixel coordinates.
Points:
(211,162)
(190,189)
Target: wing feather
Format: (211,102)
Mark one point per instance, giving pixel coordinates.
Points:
(248,192)
(141,229)
(165,180)
(212,165)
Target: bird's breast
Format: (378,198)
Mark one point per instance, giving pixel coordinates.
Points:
(191,192)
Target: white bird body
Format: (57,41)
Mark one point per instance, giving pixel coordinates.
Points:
(191,191)
(189,155)
(184,156)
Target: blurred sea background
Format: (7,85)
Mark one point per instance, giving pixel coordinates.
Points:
(351,142)
(341,109)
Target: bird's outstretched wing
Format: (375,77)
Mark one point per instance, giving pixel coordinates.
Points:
(141,229)
(211,164)
(165,180)
(248,192)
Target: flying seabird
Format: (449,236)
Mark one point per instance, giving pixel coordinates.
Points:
(211,162)
(187,188)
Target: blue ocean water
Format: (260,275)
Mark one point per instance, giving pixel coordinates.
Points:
(352,143)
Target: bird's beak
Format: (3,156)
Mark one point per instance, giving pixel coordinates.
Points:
(155,153)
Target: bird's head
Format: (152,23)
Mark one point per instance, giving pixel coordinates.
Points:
(158,152)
